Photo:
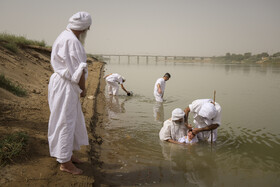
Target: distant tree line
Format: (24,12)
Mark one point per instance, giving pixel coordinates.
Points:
(248,57)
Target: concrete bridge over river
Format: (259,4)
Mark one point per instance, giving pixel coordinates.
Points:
(156,58)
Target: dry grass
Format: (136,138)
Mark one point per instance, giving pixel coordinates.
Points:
(13,42)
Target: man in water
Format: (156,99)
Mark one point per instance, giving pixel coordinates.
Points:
(67,130)
(174,128)
(113,80)
(160,87)
(207,118)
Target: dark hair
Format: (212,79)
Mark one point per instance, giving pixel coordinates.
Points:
(167,75)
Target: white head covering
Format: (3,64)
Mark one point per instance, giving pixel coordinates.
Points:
(208,110)
(177,114)
(79,21)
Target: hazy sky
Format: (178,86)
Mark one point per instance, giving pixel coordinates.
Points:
(160,27)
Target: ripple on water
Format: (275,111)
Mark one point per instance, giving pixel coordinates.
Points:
(249,148)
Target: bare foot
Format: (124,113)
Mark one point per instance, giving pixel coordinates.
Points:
(70,168)
(76,160)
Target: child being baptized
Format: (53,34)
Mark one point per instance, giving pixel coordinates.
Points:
(189,139)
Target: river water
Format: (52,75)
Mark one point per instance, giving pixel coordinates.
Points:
(248,146)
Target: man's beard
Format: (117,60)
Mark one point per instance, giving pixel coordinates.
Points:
(179,122)
(82,37)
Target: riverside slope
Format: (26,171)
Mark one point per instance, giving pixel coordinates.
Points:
(31,69)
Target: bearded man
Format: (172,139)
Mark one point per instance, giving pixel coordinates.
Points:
(174,128)
(67,130)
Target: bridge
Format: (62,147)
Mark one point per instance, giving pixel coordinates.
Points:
(157,58)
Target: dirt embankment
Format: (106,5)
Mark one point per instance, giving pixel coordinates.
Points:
(31,69)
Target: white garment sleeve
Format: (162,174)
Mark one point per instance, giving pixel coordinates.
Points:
(165,132)
(78,73)
(218,118)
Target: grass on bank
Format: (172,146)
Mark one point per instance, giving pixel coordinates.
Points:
(11,87)
(13,43)
(13,146)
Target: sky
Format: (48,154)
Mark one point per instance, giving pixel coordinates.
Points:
(153,27)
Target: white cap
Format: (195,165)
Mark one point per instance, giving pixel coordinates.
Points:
(177,114)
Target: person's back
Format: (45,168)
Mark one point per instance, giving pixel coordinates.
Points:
(114,77)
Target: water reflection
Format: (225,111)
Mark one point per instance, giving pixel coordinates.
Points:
(195,163)
(158,110)
(248,146)
(114,104)
(263,69)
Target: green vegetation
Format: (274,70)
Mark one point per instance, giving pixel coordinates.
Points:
(13,42)
(13,146)
(11,87)
(249,58)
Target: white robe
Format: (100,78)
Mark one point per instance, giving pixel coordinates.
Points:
(113,82)
(200,122)
(158,96)
(67,130)
(186,140)
(172,131)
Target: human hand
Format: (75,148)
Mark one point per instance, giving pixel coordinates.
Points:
(195,130)
(189,126)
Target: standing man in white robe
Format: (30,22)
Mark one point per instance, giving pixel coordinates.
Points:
(174,128)
(67,130)
(160,87)
(113,80)
(207,116)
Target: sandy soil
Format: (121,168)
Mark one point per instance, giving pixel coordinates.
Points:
(31,69)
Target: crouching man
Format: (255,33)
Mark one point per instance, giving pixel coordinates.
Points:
(207,118)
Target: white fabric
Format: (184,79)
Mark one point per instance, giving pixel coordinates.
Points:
(177,114)
(201,122)
(185,139)
(208,111)
(171,130)
(113,88)
(79,21)
(63,160)
(67,130)
(113,82)
(158,96)
(115,78)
